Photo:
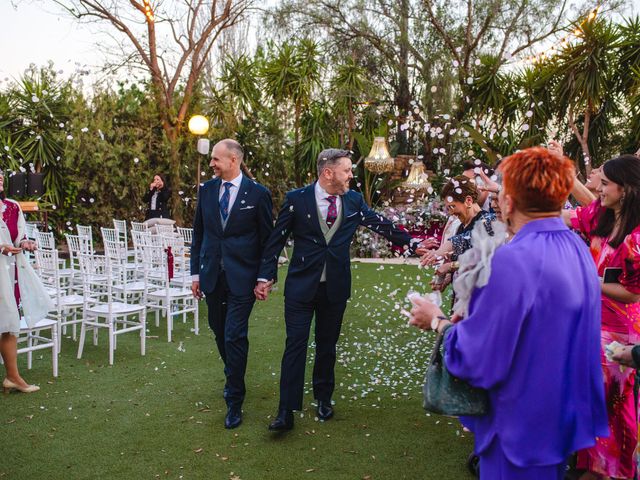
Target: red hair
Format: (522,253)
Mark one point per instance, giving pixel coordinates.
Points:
(537,179)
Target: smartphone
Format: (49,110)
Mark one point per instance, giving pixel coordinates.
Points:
(611,275)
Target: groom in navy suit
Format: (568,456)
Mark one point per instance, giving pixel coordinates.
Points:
(323,218)
(232,224)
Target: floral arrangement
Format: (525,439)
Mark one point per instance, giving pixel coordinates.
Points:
(420,220)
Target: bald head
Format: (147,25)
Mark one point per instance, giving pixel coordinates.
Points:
(226,159)
(234,148)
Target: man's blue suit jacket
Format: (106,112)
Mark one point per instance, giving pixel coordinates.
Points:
(239,245)
(299,216)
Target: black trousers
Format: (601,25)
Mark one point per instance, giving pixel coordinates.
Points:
(229,320)
(298,316)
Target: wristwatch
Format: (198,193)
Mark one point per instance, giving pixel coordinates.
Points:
(435,322)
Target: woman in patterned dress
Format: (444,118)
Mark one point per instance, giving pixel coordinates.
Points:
(612,225)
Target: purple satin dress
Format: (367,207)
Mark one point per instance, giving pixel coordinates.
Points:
(532,340)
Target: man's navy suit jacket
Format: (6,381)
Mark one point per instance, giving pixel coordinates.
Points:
(239,246)
(299,216)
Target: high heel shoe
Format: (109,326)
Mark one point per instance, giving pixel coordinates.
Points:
(8,385)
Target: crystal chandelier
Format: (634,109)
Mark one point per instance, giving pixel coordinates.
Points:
(379,161)
(418,178)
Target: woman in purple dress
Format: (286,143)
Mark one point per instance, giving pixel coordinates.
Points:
(532,334)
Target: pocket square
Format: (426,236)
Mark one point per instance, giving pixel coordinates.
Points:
(353,214)
(249,207)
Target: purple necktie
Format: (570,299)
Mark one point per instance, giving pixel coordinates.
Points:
(332,213)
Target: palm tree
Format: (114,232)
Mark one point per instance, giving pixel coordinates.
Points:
(290,76)
(350,87)
(586,79)
(629,49)
(40,107)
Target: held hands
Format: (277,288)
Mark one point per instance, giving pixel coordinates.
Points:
(9,250)
(262,289)
(29,245)
(195,289)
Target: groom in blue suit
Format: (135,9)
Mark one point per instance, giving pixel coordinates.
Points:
(322,217)
(232,224)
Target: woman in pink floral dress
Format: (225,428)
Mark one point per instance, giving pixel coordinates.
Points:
(612,225)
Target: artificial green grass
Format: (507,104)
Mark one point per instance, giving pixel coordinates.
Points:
(161,416)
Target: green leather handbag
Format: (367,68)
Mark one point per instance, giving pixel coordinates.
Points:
(445,394)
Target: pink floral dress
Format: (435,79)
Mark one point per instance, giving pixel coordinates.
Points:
(615,456)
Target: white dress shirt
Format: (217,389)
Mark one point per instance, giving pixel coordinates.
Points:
(323,203)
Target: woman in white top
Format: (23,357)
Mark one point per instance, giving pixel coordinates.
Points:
(21,291)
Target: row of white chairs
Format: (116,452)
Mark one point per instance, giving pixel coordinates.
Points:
(116,290)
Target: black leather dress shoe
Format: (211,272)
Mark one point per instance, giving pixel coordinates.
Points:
(233,418)
(283,422)
(324,410)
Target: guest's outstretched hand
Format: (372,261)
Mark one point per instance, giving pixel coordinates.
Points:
(431,257)
(423,312)
(426,245)
(556,147)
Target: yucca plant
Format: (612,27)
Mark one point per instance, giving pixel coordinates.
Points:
(586,79)
(40,107)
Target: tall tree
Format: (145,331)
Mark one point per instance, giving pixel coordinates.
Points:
(390,38)
(587,80)
(291,75)
(193,26)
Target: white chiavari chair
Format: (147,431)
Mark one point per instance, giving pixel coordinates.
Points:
(138,227)
(86,232)
(125,282)
(164,229)
(66,305)
(46,241)
(102,310)
(186,234)
(162,296)
(35,341)
(123,234)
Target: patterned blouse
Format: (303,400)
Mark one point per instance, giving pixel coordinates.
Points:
(461,241)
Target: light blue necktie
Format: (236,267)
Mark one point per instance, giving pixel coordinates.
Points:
(224,201)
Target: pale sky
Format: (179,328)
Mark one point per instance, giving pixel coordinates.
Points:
(33,34)
(36,32)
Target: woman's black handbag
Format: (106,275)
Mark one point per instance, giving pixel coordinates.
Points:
(445,394)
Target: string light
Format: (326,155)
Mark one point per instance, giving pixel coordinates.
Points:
(564,42)
(148,11)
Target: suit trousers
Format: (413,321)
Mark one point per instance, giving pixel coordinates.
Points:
(298,316)
(229,320)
